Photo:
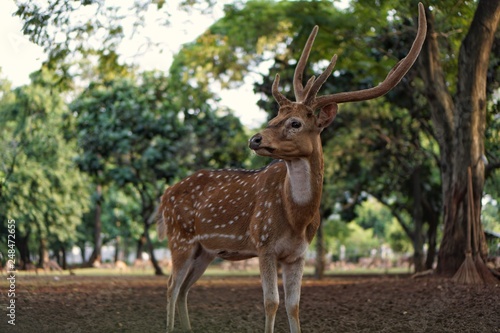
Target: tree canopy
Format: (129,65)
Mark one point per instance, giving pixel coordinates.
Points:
(40,187)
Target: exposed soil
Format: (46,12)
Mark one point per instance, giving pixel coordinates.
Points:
(336,304)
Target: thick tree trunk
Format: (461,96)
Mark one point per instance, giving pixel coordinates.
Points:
(432,221)
(24,252)
(117,249)
(140,247)
(82,252)
(470,122)
(149,212)
(57,257)
(156,266)
(319,269)
(64,263)
(149,218)
(418,221)
(459,126)
(43,252)
(126,249)
(96,254)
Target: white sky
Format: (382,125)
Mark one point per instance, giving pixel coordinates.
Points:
(19,57)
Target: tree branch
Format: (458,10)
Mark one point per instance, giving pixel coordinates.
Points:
(398,216)
(490,168)
(439,97)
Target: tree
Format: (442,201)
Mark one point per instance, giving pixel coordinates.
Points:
(379,150)
(137,135)
(41,187)
(129,136)
(459,121)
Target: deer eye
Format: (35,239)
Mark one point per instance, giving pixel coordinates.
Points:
(296,124)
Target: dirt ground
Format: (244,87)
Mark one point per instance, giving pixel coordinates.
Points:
(125,303)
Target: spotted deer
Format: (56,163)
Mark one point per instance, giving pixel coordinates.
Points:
(271,213)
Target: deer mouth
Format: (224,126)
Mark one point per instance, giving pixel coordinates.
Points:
(264,150)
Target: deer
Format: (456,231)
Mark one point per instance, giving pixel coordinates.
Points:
(271,213)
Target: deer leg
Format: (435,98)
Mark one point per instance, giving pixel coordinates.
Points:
(292,278)
(181,266)
(269,276)
(201,261)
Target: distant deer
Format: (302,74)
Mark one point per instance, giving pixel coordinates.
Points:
(271,213)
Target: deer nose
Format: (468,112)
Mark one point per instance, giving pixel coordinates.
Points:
(255,141)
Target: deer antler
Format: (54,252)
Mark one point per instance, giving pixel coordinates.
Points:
(298,89)
(302,94)
(307,94)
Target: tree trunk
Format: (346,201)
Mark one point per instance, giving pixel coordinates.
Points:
(140,247)
(57,257)
(43,253)
(319,269)
(24,252)
(96,253)
(158,270)
(459,126)
(117,249)
(82,252)
(470,124)
(149,219)
(126,249)
(64,263)
(418,241)
(431,239)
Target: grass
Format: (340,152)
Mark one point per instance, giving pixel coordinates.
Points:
(214,271)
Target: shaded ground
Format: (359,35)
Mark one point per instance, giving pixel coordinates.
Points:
(221,304)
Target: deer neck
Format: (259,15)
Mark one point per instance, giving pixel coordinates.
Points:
(304,183)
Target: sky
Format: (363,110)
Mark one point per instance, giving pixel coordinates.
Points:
(19,57)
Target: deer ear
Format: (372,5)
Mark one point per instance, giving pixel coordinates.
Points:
(326,115)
